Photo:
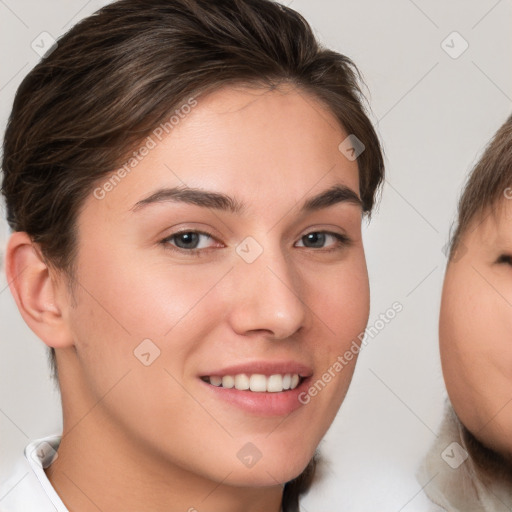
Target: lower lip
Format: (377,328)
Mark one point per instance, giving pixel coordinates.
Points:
(262,403)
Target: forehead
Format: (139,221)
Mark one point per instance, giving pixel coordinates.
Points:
(262,146)
(491,227)
(254,123)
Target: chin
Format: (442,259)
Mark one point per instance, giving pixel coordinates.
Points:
(267,475)
(259,479)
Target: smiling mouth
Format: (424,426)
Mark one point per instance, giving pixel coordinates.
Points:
(257,382)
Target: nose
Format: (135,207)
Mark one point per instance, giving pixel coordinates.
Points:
(267,297)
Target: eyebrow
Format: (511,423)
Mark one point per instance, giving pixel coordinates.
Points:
(208,199)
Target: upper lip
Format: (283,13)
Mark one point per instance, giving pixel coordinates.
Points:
(264,368)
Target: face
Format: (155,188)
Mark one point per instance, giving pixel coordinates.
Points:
(210,262)
(476,327)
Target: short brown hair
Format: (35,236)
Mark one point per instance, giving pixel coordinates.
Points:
(488,184)
(117,75)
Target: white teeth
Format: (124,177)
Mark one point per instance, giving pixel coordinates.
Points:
(257,382)
(275,383)
(228,381)
(242,382)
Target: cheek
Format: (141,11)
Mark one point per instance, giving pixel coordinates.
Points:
(475,325)
(122,301)
(160,308)
(341,302)
(145,298)
(342,299)
(476,350)
(462,333)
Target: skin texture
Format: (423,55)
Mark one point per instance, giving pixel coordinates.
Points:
(475,327)
(142,437)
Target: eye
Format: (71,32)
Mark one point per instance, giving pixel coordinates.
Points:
(505,259)
(318,239)
(188,241)
(197,242)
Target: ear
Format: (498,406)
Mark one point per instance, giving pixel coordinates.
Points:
(42,299)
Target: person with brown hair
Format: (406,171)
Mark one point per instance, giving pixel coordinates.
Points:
(469,467)
(186,181)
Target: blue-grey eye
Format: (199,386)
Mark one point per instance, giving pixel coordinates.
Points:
(318,239)
(314,239)
(191,240)
(187,240)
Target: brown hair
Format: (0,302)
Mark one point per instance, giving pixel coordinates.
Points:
(121,72)
(489,182)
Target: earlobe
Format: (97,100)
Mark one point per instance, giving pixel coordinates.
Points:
(36,291)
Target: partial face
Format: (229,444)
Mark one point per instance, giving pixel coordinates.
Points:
(263,290)
(476,329)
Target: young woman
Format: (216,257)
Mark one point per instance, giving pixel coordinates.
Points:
(469,468)
(186,182)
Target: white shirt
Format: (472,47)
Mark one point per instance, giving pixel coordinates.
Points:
(28,488)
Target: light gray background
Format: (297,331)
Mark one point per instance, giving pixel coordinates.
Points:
(434,114)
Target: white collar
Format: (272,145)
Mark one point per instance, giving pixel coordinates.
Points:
(40,453)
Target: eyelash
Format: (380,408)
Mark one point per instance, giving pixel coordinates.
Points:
(343,241)
(505,259)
